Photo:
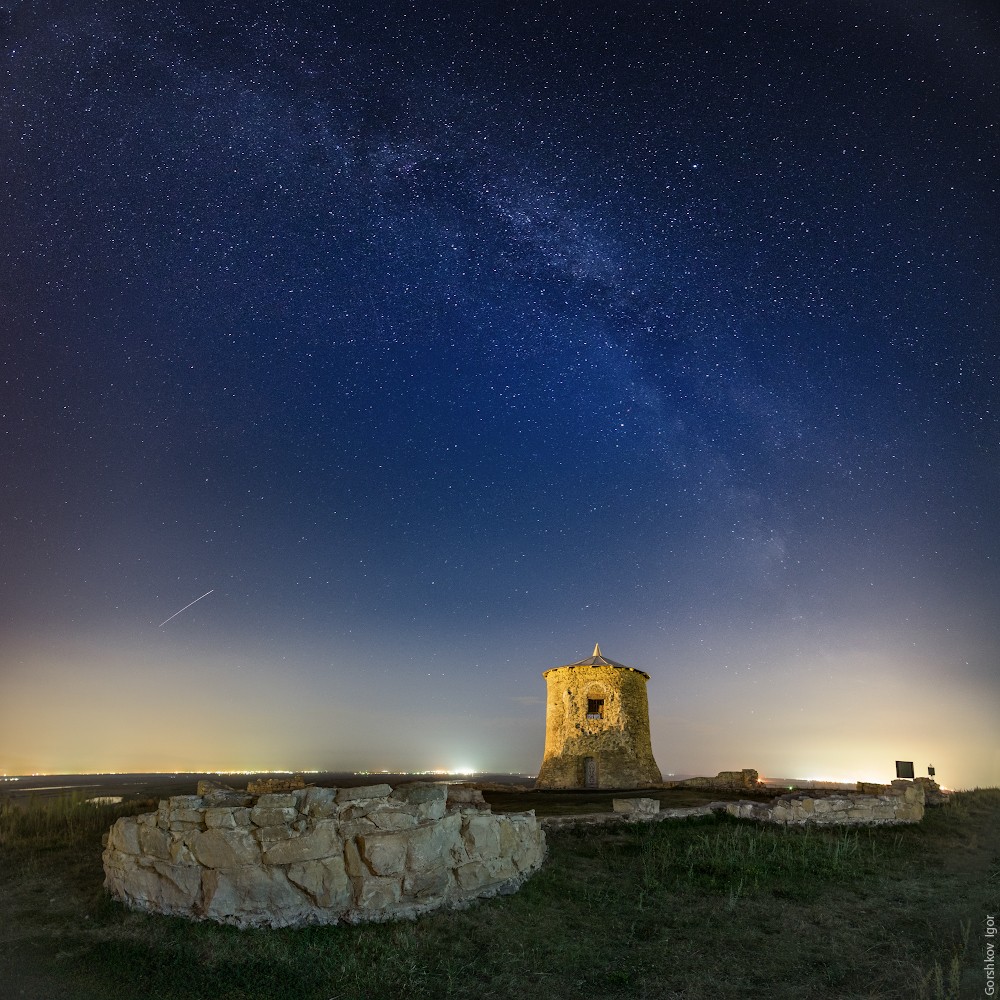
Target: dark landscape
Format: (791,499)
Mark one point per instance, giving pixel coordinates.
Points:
(694,909)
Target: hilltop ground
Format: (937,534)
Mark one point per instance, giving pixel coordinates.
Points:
(697,909)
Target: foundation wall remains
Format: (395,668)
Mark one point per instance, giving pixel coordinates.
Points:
(264,786)
(747,780)
(933,796)
(899,803)
(902,802)
(319,855)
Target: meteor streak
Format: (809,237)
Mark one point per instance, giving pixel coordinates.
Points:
(186,606)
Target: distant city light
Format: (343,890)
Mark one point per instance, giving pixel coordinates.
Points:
(441,772)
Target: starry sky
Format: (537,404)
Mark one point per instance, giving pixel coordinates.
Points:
(435,342)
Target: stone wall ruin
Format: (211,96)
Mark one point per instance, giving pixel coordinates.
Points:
(901,802)
(747,780)
(319,855)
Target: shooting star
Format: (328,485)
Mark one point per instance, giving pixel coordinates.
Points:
(186,606)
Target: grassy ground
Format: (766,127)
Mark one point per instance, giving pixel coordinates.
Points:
(711,908)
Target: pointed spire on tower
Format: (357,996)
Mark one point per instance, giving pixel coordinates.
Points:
(597,649)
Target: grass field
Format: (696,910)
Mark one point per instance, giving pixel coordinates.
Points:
(711,908)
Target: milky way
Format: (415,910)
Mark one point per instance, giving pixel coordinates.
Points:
(443,343)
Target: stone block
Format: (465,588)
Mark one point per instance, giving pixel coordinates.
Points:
(530,854)
(125,837)
(349,829)
(435,844)
(272,834)
(363,792)
(178,851)
(220,816)
(432,810)
(322,841)
(871,788)
(163,815)
(472,876)
(384,853)
(320,803)
(272,816)
(254,897)
(509,835)
(195,817)
(218,848)
(187,878)
(426,885)
(417,792)
(185,802)
(481,835)
(325,880)
(644,807)
(375,895)
(502,869)
(393,819)
(278,800)
(354,864)
(117,869)
(147,888)
(529,850)
(154,842)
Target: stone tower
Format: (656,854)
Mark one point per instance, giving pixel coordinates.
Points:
(597,727)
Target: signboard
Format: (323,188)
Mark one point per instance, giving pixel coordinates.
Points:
(904,768)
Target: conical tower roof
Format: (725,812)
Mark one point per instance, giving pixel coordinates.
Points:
(599,660)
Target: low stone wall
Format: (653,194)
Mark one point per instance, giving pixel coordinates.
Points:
(933,795)
(747,780)
(902,802)
(263,786)
(319,855)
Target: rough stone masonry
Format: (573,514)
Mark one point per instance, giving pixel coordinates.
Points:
(319,855)
(597,727)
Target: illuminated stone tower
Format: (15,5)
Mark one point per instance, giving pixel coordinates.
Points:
(597,727)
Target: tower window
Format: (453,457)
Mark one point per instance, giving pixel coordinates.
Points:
(595,708)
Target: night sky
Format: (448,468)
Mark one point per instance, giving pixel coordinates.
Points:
(441,341)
